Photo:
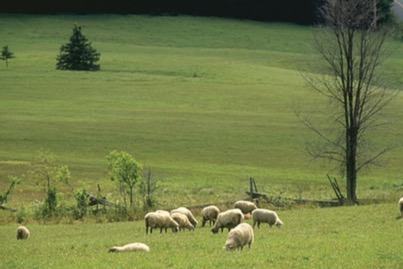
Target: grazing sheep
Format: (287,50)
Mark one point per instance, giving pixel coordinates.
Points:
(266,216)
(131,247)
(401,207)
(183,221)
(188,214)
(228,219)
(22,233)
(160,220)
(240,236)
(210,214)
(245,206)
(164,212)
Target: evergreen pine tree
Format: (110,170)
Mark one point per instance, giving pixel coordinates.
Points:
(6,54)
(78,54)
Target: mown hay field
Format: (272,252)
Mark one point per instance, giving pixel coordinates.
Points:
(205,102)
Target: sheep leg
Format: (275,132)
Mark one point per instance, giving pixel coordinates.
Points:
(258,224)
(161,230)
(146,229)
(254,224)
(204,222)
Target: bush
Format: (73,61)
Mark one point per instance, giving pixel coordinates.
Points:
(21,215)
(45,169)
(148,189)
(81,208)
(78,54)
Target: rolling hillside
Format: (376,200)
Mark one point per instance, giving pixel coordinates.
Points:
(205,102)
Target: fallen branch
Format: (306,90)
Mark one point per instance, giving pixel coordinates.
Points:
(8,208)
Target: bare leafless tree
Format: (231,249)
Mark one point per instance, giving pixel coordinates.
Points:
(351,44)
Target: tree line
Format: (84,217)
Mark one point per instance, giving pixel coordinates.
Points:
(297,11)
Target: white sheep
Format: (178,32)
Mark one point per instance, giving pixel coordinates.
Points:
(240,236)
(130,247)
(183,221)
(228,219)
(210,214)
(164,212)
(270,217)
(401,207)
(22,233)
(188,214)
(160,220)
(245,206)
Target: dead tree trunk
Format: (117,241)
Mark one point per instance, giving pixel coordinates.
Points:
(351,45)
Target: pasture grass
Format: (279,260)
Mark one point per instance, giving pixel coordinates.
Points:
(345,237)
(205,102)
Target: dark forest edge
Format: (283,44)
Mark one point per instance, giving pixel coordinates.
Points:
(297,11)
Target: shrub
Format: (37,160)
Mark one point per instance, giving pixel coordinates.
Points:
(81,208)
(45,169)
(148,188)
(21,215)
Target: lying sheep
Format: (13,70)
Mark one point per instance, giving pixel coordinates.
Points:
(183,221)
(22,233)
(210,214)
(228,219)
(245,206)
(186,212)
(160,220)
(130,247)
(270,217)
(240,236)
(401,207)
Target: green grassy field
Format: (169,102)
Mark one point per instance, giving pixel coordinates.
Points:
(205,102)
(349,237)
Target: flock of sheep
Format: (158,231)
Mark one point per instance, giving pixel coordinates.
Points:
(240,233)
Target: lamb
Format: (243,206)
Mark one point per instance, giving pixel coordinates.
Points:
(245,206)
(266,216)
(228,219)
(183,221)
(401,207)
(188,214)
(22,233)
(210,214)
(130,247)
(240,236)
(160,220)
